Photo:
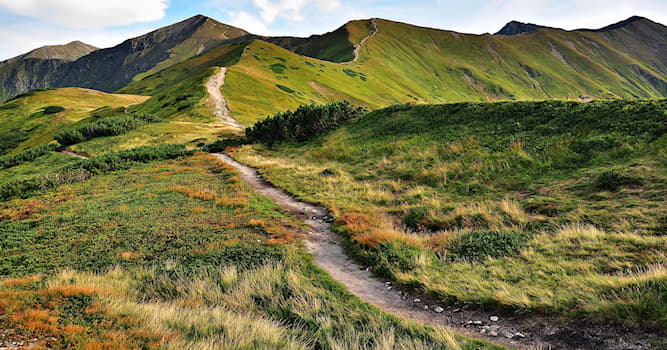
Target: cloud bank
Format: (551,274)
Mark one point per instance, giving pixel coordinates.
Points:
(89,13)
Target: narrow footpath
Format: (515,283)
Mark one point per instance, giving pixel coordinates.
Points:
(221,111)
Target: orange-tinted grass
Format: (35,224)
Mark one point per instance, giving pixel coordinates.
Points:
(204,194)
(373,229)
(19,282)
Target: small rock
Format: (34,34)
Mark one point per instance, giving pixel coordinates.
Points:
(456,310)
(388,283)
(493,333)
(477,323)
(417,301)
(314,211)
(438,309)
(507,334)
(494,318)
(389,287)
(519,335)
(425,307)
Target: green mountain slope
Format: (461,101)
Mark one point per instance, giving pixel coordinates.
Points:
(401,63)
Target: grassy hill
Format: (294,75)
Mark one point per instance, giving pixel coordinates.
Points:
(26,122)
(551,206)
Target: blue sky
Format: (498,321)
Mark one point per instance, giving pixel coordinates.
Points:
(27,24)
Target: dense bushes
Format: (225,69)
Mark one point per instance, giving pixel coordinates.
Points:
(304,123)
(612,181)
(478,245)
(221,145)
(105,127)
(86,168)
(27,155)
(53,109)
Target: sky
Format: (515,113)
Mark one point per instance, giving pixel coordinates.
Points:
(28,24)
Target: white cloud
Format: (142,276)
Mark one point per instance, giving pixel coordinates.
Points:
(242,19)
(89,13)
(291,9)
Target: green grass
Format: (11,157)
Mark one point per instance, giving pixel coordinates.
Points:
(582,184)
(24,123)
(178,254)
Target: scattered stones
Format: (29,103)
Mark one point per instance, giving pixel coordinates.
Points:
(494,318)
(438,309)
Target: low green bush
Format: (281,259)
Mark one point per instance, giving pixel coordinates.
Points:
(27,155)
(106,127)
(613,181)
(53,109)
(85,168)
(305,122)
(479,245)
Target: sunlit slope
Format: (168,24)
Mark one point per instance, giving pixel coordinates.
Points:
(24,122)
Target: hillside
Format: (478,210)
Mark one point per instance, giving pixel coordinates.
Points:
(111,69)
(543,207)
(25,122)
(401,63)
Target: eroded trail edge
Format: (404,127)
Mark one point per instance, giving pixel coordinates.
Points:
(213,86)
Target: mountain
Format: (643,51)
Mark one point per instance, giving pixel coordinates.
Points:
(402,63)
(376,62)
(112,68)
(67,52)
(515,28)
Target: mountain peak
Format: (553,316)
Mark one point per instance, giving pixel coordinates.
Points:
(516,28)
(68,52)
(623,23)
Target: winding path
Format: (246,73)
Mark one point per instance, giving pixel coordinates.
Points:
(329,255)
(213,86)
(357,48)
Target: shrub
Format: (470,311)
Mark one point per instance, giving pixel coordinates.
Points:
(478,245)
(85,168)
(221,145)
(53,109)
(305,122)
(612,181)
(106,127)
(27,155)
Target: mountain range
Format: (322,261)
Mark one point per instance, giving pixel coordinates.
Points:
(372,62)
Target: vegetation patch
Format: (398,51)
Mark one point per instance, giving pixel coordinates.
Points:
(478,245)
(53,109)
(305,122)
(278,68)
(27,155)
(286,89)
(106,127)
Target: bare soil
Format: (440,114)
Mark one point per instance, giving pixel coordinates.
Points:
(213,86)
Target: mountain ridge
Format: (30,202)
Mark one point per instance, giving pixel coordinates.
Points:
(137,58)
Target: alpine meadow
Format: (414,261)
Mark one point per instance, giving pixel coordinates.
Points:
(380,186)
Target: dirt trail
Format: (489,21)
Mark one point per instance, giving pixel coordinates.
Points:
(357,48)
(329,255)
(213,86)
(68,153)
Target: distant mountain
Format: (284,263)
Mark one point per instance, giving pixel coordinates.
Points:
(67,52)
(516,28)
(112,68)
